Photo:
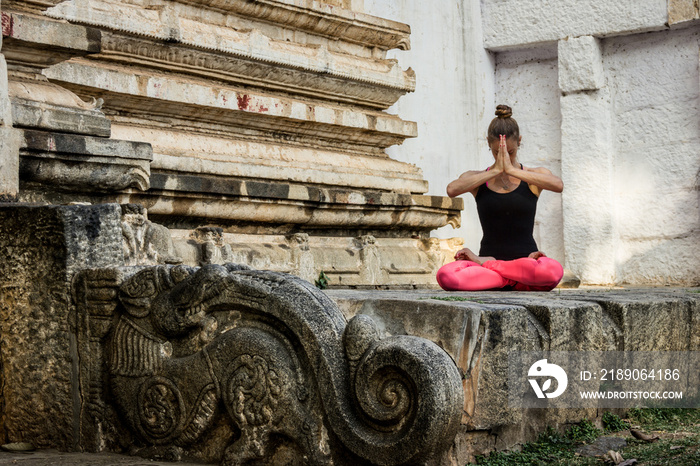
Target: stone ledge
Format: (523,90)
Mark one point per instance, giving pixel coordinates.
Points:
(313,72)
(177,154)
(32,114)
(559,19)
(191,183)
(479,333)
(59,41)
(83,163)
(148,96)
(332,21)
(335,23)
(86,145)
(279,203)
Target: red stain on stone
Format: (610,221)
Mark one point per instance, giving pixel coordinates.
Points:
(6,25)
(262,109)
(243,101)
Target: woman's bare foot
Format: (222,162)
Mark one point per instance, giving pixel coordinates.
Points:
(537,255)
(466,254)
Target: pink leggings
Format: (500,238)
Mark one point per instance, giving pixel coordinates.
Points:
(523,274)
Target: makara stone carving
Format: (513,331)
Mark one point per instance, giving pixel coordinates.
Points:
(238,365)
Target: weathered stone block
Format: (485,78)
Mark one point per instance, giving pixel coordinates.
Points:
(42,249)
(42,115)
(586,166)
(84,163)
(231,364)
(58,41)
(682,10)
(550,21)
(580,64)
(480,331)
(9,163)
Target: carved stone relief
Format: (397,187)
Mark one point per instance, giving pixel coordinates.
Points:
(259,366)
(380,87)
(145,242)
(213,248)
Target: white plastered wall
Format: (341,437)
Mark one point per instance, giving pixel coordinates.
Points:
(453,102)
(654,82)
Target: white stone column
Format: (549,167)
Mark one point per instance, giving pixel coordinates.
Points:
(587,162)
(9,138)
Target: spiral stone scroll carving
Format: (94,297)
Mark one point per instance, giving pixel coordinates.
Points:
(283,362)
(395,386)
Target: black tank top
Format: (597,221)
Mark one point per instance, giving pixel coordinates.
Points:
(507,220)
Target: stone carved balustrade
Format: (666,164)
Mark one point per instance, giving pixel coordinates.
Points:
(233,364)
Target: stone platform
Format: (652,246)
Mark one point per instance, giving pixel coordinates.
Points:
(478,330)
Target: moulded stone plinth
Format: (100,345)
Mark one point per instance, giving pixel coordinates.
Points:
(147,95)
(265,118)
(183,159)
(364,261)
(271,205)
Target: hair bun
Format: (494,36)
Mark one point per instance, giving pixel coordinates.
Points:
(504,111)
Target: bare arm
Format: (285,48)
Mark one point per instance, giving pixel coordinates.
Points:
(470,182)
(537,178)
(540,177)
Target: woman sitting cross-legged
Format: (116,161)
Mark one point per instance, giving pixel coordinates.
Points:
(506,196)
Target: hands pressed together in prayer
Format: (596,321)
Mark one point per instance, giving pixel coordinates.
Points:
(503,163)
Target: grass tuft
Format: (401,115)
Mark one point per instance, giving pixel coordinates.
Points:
(613,423)
(679,444)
